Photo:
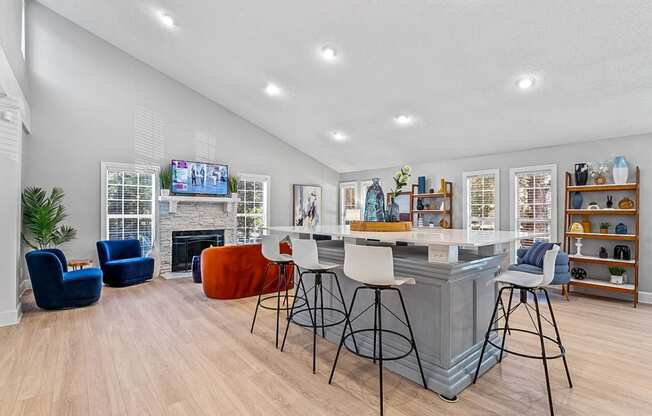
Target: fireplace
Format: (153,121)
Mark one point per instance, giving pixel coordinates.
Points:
(186,244)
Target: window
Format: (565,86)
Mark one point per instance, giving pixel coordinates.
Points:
(128,203)
(348,199)
(482,200)
(253,207)
(533,192)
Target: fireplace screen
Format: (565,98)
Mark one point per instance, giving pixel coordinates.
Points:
(186,244)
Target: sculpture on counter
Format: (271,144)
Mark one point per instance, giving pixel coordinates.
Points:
(374,209)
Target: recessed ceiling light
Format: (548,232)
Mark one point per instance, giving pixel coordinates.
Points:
(273,90)
(329,53)
(338,135)
(404,119)
(526,82)
(167,20)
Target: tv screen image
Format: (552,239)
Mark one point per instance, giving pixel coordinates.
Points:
(197,178)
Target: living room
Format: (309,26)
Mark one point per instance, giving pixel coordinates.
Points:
(494,159)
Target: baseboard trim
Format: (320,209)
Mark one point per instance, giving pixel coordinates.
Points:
(25,285)
(11,317)
(645,297)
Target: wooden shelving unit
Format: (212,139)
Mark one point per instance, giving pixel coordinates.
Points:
(630,288)
(437,198)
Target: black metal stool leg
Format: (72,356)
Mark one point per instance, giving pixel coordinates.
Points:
(279,281)
(554,322)
(380,346)
(543,352)
(502,306)
(346,312)
(509,308)
(375,327)
(321,303)
(260,293)
(414,342)
(486,337)
(339,348)
(294,302)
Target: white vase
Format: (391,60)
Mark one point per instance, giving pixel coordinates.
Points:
(165,192)
(620,170)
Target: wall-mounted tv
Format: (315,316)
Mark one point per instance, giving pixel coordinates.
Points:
(198,178)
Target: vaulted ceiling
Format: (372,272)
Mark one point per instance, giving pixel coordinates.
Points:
(451,64)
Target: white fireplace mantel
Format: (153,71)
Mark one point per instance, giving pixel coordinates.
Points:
(173,200)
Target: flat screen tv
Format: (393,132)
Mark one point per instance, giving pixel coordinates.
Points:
(198,178)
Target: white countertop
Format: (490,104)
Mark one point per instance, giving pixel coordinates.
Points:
(421,236)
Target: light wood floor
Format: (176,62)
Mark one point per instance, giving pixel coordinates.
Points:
(163,348)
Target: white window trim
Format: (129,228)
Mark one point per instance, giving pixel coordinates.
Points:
(465,199)
(341,199)
(130,167)
(512,195)
(260,178)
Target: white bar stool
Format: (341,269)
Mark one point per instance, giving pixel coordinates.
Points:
(271,250)
(306,258)
(374,268)
(527,283)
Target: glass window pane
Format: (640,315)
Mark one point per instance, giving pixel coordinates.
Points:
(131,178)
(131,207)
(131,192)
(145,193)
(114,192)
(131,228)
(146,179)
(144,208)
(113,177)
(114,207)
(115,228)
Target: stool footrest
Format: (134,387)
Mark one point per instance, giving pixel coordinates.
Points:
(282,297)
(520,354)
(314,311)
(384,331)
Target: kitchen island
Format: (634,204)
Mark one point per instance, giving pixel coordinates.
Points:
(449,307)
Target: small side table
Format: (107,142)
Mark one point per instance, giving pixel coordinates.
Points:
(79,264)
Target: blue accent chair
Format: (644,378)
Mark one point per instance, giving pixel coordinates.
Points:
(562,269)
(55,287)
(122,262)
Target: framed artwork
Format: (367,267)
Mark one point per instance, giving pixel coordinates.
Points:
(306,205)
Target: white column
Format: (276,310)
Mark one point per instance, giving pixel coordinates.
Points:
(10,213)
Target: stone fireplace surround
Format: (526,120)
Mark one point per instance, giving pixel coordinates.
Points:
(200,215)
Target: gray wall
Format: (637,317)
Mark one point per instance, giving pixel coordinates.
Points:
(85,97)
(636,149)
(10,38)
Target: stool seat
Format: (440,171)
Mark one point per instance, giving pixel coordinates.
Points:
(521,279)
(279,258)
(318,267)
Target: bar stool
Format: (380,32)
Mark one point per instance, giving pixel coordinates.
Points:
(374,268)
(527,283)
(306,259)
(271,251)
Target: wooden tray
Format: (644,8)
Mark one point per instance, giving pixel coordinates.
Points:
(371,226)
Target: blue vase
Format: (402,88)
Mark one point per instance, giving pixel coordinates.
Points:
(620,170)
(196,269)
(374,208)
(577,200)
(422,184)
(393,213)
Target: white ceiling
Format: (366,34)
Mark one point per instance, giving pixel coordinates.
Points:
(451,63)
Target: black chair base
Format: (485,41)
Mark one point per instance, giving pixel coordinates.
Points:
(378,332)
(296,310)
(506,330)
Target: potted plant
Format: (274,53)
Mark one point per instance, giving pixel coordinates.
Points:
(401,178)
(233,185)
(43,214)
(165,177)
(604,227)
(598,172)
(618,275)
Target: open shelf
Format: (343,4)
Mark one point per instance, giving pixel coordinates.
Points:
(603,236)
(603,284)
(602,211)
(606,187)
(173,200)
(599,260)
(432,211)
(432,195)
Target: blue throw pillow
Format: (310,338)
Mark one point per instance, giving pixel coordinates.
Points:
(536,253)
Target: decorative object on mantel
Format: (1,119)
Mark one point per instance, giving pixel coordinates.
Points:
(233,184)
(401,179)
(604,227)
(610,202)
(618,275)
(442,186)
(578,273)
(443,223)
(165,179)
(422,184)
(620,170)
(578,247)
(374,208)
(577,200)
(43,214)
(621,228)
(593,205)
(581,174)
(626,203)
(577,228)
(622,252)
(307,204)
(599,172)
(603,253)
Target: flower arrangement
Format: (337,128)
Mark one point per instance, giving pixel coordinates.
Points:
(401,179)
(598,172)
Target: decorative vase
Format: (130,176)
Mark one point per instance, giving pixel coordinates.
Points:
(621,228)
(442,186)
(374,209)
(419,204)
(620,170)
(165,192)
(196,269)
(581,174)
(610,201)
(422,184)
(577,200)
(393,214)
(586,224)
(603,253)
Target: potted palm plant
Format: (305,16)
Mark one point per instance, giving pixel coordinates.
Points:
(165,177)
(43,214)
(233,185)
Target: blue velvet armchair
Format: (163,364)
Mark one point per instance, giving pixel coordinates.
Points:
(122,262)
(55,287)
